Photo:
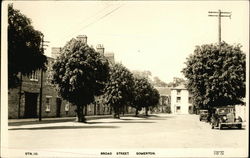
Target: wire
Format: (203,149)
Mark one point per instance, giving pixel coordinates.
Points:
(98,19)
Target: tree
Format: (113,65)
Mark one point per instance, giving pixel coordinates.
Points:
(80,74)
(216,75)
(176,82)
(119,88)
(158,82)
(24,47)
(144,94)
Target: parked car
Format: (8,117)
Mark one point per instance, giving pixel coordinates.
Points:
(203,115)
(225,117)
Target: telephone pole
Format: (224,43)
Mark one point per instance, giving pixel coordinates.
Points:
(219,14)
(41,88)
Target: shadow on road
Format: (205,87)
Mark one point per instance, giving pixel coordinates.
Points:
(42,122)
(62,127)
(120,122)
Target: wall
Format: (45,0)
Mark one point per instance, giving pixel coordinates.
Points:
(184,104)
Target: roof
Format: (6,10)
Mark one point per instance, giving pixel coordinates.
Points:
(182,86)
(163,91)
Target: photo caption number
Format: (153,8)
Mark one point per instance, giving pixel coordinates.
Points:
(218,152)
(31,153)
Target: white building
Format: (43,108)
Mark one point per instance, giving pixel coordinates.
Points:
(181,100)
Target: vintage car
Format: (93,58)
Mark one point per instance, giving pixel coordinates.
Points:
(225,117)
(203,115)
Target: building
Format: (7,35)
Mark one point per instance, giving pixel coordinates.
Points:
(109,55)
(165,100)
(23,102)
(181,100)
(26,103)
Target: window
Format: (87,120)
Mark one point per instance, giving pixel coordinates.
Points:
(178,108)
(34,76)
(190,108)
(178,92)
(178,99)
(189,99)
(48,103)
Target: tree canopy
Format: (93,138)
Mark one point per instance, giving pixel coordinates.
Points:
(80,74)
(216,75)
(145,94)
(119,88)
(24,46)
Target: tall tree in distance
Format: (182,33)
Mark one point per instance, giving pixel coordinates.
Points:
(158,82)
(216,75)
(24,47)
(145,95)
(119,88)
(80,74)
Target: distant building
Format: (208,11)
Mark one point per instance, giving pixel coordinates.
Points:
(181,100)
(165,100)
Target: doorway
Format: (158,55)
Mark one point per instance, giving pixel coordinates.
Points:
(58,107)
(30,109)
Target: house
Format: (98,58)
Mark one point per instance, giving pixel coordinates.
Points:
(24,101)
(181,100)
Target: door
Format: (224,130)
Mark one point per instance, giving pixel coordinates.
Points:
(178,109)
(58,107)
(30,109)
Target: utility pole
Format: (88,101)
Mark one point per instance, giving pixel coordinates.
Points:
(219,14)
(41,88)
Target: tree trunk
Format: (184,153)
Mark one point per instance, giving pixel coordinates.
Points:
(146,111)
(136,112)
(20,95)
(116,112)
(80,116)
(123,110)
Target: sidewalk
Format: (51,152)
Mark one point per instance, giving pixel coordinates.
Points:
(28,121)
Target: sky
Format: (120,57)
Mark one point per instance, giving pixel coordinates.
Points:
(143,35)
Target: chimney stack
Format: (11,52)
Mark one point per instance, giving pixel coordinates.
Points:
(100,49)
(82,38)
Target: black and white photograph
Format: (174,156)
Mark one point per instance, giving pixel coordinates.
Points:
(141,79)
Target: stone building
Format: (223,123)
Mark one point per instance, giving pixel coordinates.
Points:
(26,105)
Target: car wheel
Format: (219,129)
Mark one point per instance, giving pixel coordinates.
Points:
(239,126)
(220,126)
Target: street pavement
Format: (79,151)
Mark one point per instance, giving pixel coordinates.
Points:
(157,131)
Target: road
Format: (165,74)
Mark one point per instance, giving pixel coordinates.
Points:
(158,131)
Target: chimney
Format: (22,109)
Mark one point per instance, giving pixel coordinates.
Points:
(100,49)
(82,38)
(55,52)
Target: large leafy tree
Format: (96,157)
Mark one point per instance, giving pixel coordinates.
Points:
(119,88)
(80,74)
(216,75)
(24,47)
(145,94)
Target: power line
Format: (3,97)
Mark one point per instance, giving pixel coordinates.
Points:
(100,18)
(93,15)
